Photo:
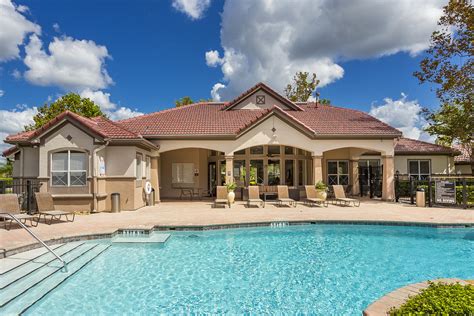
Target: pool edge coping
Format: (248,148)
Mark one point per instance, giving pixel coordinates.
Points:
(400,296)
(4,253)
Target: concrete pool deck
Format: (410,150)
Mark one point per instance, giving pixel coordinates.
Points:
(200,213)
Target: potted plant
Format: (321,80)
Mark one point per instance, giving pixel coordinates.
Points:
(321,190)
(231,194)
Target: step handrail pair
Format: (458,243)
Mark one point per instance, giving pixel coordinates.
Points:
(64,263)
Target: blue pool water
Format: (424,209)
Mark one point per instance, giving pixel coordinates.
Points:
(314,269)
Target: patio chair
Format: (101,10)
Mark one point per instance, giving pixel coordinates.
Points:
(311,197)
(221,196)
(9,206)
(45,204)
(254,196)
(284,196)
(340,197)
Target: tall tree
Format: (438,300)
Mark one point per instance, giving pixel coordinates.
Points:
(450,67)
(72,102)
(183,101)
(302,88)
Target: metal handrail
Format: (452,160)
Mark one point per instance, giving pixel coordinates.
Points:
(64,269)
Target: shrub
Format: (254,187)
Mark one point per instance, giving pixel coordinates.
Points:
(439,299)
(321,186)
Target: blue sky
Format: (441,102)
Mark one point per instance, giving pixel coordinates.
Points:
(139,57)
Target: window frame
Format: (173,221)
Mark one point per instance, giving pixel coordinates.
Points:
(148,167)
(338,175)
(68,170)
(139,166)
(419,174)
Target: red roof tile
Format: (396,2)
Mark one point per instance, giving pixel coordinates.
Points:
(99,125)
(10,151)
(409,146)
(210,119)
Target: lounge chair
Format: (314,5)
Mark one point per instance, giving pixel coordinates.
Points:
(221,196)
(311,197)
(254,196)
(340,197)
(284,196)
(9,206)
(45,204)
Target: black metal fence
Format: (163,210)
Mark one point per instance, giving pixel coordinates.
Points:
(25,189)
(461,190)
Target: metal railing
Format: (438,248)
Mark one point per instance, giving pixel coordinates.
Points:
(64,263)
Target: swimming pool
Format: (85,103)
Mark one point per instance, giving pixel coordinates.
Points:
(316,269)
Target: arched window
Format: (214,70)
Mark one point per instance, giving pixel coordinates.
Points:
(69,168)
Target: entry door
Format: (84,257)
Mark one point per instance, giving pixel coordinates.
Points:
(370,178)
(212,178)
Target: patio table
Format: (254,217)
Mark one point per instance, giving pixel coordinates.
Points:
(191,192)
(265,194)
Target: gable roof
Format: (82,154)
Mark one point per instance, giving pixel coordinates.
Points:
(100,126)
(267,89)
(212,119)
(408,146)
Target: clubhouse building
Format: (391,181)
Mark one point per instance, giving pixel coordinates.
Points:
(259,138)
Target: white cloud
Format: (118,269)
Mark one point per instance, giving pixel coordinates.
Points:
(2,93)
(13,29)
(193,8)
(14,121)
(69,63)
(56,28)
(404,115)
(215,91)
(270,40)
(108,107)
(16,74)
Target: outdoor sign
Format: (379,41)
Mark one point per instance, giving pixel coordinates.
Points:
(445,192)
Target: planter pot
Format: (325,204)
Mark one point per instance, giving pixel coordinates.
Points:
(231,197)
(320,194)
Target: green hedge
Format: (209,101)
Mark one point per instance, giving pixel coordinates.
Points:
(440,299)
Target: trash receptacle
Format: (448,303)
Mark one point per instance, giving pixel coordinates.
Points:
(115,202)
(420,197)
(151,198)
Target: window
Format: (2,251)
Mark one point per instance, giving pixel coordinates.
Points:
(239,172)
(256,172)
(148,168)
(69,168)
(338,172)
(257,150)
(273,150)
(289,172)
(301,180)
(289,150)
(419,169)
(182,173)
(240,152)
(273,172)
(139,167)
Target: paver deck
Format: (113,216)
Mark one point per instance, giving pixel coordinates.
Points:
(200,213)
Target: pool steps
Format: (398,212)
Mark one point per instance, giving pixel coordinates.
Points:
(22,292)
(23,258)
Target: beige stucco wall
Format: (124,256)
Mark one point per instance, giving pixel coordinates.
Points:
(285,135)
(30,162)
(439,164)
(190,155)
(250,103)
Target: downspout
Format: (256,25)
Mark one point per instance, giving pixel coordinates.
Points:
(94,175)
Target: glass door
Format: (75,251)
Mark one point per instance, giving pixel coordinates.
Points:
(273,172)
(212,178)
(256,172)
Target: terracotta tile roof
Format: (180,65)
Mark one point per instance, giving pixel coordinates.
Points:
(409,146)
(10,151)
(210,119)
(464,157)
(99,125)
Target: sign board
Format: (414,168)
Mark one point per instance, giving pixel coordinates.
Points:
(445,192)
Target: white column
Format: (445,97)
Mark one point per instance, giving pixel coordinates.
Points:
(317,168)
(229,169)
(388,186)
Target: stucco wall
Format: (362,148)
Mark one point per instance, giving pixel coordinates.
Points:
(250,103)
(30,162)
(439,164)
(190,155)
